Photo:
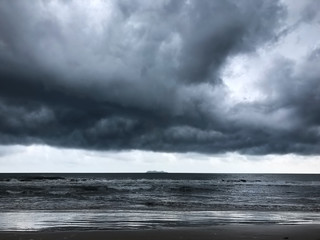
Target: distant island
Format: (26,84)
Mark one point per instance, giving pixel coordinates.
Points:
(156,172)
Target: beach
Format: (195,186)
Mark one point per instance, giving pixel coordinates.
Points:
(159,120)
(261,231)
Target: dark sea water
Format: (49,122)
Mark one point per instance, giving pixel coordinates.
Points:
(155,200)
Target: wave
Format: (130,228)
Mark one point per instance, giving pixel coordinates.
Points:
(190,189)
(92,188)
(40,178)
(31,178)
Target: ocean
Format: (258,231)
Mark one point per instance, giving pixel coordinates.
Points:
(97,201)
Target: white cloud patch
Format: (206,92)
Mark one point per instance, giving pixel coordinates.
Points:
(41,158)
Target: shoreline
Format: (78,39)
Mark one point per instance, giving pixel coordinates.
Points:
(52,221)
(218,232)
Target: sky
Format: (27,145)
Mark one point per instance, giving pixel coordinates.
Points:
(172,85)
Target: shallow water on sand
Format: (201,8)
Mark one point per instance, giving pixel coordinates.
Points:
(120,220)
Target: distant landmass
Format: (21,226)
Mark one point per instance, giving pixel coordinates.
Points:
(156,172)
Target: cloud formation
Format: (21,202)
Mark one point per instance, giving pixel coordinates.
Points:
(139,75)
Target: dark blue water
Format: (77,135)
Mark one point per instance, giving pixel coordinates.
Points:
(112,201)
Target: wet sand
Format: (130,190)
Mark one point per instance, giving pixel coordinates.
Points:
(266,232)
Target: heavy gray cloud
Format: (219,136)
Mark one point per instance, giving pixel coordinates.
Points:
(147,75)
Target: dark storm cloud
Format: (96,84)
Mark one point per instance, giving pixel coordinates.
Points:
(147,75)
